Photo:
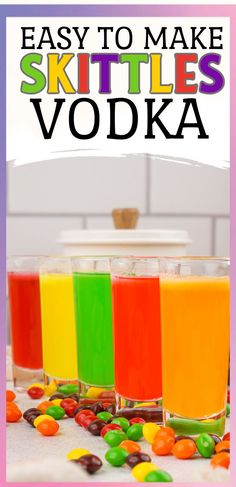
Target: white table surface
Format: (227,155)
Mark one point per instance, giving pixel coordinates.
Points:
(33,457)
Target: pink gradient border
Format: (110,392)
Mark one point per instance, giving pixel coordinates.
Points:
(114,11)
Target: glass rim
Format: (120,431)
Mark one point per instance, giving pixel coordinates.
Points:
(136,258)
(25,257)
(195,258)
(107,257)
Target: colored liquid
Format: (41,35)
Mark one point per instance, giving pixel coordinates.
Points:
(58,326)
(94,328)
(24,301)
(137,335)
(195,345)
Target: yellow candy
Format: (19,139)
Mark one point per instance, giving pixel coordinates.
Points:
(41,418)
(51,388)
(149,431)
(77,453)
(94,392)
(145,404)
(142,469)
(56,402)
(36,384)
(207,420)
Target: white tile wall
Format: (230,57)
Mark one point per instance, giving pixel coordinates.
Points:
(47,197)
(72,186)
(222,236)
(37,235)
(181,188)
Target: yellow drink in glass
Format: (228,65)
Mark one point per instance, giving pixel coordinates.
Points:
(58,327)
(195,350)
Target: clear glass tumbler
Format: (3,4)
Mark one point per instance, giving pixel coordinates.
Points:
(195,318)
(25,320)
(137,330)
(93,313)
(58,321)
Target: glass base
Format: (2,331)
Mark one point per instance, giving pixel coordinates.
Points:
(151,410)
(22,378)
(48,380)
(214,424)
(98,393)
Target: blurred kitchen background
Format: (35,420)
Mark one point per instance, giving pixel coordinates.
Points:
(48,197)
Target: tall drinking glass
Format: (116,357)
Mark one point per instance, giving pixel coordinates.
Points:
(93,313)
(137,329)
(195,316)
(58,322)
(25,320)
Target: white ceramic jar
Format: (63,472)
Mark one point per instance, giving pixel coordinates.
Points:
(125,242)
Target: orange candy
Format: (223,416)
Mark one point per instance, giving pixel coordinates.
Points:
(10,396)
(184,449)
(164,432)
(13,414)
(48,428)
(10,404)
(163,445)
(44,405)
(130,446)
(222,445)
(221,459)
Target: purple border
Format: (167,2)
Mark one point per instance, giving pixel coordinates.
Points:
(114,11)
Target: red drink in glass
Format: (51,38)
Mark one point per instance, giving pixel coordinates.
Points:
(25,317)
(137,337)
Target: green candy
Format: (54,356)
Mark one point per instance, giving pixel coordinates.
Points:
(104,416)
(158,476)
(116,456)
(122,422)
(115,437)
(135,432)
(56,412)
(68,389)
(205,445)
(228,409)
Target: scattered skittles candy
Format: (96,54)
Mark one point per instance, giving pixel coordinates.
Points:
(158,476)
(135,432)
(116,456)
(184,449)
(47,427)
(141,470)
(221,459)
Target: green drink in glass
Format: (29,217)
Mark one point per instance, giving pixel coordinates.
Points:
(93,316)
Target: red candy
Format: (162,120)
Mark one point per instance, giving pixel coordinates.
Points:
(65,402)
(70,409)
(80,417)
(87,420)
(137,420)
(226,437)
(35,392)
(110,427)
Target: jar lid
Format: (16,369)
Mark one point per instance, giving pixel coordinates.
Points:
(124,237)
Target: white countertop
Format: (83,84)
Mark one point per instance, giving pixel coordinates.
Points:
(33,457)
